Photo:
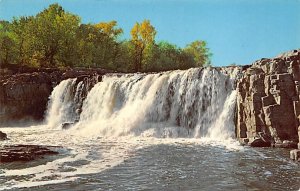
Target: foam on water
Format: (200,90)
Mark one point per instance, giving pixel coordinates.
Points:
(90,155)
(87,156)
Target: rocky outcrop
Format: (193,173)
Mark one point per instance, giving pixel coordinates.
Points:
(268,101)
(24,94)
(13,153)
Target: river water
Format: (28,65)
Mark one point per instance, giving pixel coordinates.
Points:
(166,131)
(137,163)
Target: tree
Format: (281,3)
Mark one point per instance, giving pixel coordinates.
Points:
(169,57)
(108,46)
(7,43)
(200,53)
(56,38)
(143,39)
(19,27)
(123,56)
(85,37)
(110,29)
(53,36)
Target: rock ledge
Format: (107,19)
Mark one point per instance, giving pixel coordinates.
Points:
(13,153)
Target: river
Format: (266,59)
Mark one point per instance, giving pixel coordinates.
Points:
(166,131)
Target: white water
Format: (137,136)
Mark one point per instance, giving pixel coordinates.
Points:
(60,106)
(191,103)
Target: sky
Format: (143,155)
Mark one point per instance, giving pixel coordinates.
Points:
(236,31)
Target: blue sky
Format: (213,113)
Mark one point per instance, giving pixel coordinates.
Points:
(237,31)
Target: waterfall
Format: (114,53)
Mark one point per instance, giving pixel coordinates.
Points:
(60,106)
(192,103)
(66,99)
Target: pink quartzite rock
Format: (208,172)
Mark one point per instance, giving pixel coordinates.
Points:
(268,100)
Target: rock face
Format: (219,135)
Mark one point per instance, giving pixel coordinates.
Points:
(268,102)
(24,96)
(15,153)
(24,93)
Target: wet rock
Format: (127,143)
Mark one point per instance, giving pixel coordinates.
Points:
(24,96)
(66,126)
(286,144)
(3,136)
(13,153)
(268,100)
(259,143)
(244,141)
(295,154)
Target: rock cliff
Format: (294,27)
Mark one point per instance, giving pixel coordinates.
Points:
(268,106)
(24,93)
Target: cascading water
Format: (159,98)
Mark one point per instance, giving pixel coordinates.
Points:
(191,103)
(61,105)
(66,100)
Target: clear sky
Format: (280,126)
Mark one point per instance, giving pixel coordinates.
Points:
(237,31)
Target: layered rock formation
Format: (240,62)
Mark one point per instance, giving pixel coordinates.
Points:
(13,153)
(268,106)
(24,93)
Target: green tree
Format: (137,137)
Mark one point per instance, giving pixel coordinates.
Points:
(124,56)
(7,43)
(143,39)
(107,45)
(169,57)
(110,29)
(53,36)
(85,36)
(200,52)
(19,27)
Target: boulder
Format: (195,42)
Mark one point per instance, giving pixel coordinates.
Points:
(259,143)
(66,126)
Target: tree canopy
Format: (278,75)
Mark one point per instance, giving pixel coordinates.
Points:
(57,38)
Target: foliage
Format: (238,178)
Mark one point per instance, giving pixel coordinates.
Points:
(199,52)
(57,38)
(142,38)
